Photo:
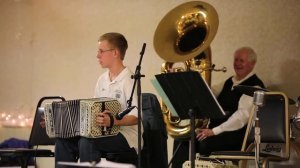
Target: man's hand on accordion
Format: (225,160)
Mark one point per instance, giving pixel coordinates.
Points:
(105,119)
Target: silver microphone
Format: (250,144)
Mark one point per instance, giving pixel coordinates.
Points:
(258,98)
(296,118)
(298,105)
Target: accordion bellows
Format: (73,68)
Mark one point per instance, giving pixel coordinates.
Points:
(66,119)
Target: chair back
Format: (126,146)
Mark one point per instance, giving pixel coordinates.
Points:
(273,121)
(154,153)
(38,135)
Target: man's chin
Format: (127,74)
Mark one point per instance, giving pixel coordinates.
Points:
(100,63)
(238,71)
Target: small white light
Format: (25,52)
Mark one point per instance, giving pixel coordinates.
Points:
(22,124)
(20,116)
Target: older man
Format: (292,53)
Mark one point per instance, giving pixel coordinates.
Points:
(228,133)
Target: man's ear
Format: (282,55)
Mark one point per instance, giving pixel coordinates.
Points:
(117,53)
(253,64)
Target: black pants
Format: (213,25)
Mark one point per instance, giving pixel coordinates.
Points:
(89,149)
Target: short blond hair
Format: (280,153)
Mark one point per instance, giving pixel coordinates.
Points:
(116,40)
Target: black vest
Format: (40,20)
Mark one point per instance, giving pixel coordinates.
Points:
(229,98)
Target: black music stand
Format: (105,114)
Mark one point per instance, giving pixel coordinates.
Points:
(190,97)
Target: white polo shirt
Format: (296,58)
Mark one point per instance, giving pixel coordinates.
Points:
(120,88)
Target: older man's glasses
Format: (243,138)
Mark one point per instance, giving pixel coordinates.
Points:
(103,51)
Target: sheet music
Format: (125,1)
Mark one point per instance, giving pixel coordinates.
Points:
(103,163)
(213,96)
(164,96)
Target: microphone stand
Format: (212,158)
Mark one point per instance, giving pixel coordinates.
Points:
(257,139)
(137,82)
(258,101)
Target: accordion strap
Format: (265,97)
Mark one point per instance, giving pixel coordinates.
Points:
(112,121)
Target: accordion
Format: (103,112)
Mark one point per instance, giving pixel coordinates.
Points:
(66,119)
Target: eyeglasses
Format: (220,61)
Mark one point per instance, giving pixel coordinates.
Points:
(103,51)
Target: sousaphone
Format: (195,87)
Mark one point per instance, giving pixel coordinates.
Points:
(183,36)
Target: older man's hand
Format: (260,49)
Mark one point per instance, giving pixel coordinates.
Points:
(204,133)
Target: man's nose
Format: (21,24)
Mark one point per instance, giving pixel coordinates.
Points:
(98,55)
(237,62)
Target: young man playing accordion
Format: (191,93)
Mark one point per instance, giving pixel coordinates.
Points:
(115,83)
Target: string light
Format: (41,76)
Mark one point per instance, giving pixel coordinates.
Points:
(10,120)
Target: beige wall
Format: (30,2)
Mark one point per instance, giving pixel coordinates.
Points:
(48,47)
